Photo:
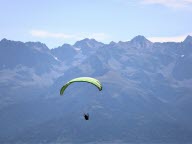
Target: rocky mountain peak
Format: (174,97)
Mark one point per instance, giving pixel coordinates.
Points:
(140,41)
(139,38)
(188,39)
(88,43)
(37,46)
(4,40)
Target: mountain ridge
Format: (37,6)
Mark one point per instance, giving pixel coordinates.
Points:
(146,94)
(138,38)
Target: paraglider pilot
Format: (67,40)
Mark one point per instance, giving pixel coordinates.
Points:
(86,116)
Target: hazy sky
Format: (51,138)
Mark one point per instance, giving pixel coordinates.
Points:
(55,22)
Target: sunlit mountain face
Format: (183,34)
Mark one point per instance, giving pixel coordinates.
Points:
(146,96)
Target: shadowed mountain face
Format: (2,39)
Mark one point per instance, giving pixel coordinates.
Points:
(146,96)
(65,53)
(88,46)
(30,54)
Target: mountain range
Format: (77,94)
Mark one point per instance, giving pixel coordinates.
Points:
(146,96)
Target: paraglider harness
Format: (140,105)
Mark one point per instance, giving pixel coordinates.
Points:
(86,116)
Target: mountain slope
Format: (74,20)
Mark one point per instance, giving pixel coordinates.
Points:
(146,98)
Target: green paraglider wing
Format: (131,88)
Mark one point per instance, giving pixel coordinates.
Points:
(82,79)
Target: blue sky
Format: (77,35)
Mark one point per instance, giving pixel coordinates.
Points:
(67,21)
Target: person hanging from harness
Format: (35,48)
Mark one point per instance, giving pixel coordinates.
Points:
(86,116)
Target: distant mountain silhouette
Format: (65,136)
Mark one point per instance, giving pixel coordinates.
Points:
(88,46)
(146,96)
(30,54)
(65,53)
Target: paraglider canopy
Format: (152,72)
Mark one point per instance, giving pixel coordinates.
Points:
(90,80)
